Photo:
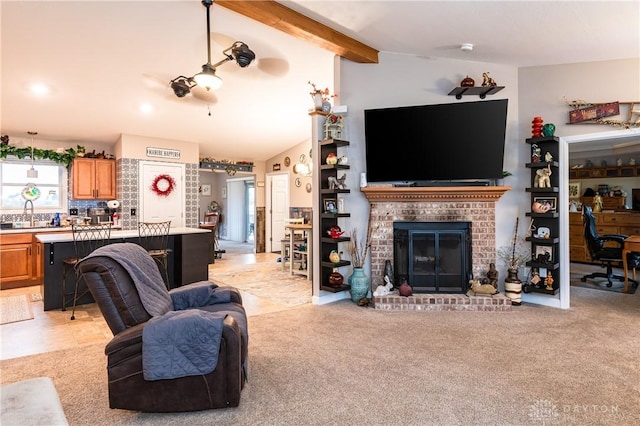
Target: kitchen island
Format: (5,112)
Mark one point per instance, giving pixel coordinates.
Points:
(188,260)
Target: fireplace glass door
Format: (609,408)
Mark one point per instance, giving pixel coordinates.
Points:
(433,257)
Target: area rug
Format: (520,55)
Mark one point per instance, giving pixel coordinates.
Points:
(15,308)
(267,280)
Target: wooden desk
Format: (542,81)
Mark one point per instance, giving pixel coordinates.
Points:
(306,228)
(631,243)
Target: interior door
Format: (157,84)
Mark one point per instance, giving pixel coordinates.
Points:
(156,207)
(277,200)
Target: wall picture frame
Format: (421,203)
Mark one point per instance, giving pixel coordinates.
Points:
(205,189)
(330,205)
(574,189)
(551,201)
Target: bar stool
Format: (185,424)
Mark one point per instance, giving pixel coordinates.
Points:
(212,222)
(86,238)
(154,237)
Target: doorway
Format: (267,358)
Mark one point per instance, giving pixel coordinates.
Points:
(277,209)
(167,200)
(241,210)
(612,140)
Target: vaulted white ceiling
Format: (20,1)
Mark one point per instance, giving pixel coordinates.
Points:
(103,59)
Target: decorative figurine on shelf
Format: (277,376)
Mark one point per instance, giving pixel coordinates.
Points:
(535,277)
(538,207)
(536,128)
(343,161)
(383,290)
(334,256)
(632,162)
(488,81)
(548,157)
(549,281)
(597,203)
(535,153)
(331,159)
(337,183)
(333,126)
(467,82)
(492,275)
(477,288)
(548,129)
(542,178)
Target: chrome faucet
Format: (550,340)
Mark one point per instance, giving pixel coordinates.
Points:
(31,219)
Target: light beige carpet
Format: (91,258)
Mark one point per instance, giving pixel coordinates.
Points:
(266,280)
(15,308)
(340,364)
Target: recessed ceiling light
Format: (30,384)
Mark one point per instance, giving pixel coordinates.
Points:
(466,47)
(146,108)
(39,89)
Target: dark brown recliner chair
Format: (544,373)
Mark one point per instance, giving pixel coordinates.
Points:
(115,293)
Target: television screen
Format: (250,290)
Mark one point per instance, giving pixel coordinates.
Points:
(446,142)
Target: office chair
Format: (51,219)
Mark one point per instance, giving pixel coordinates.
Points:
(86,238)
(606,249)
(154,237)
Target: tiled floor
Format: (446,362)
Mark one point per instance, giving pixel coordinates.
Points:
(53,330)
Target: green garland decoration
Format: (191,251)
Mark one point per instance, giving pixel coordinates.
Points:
(64,157)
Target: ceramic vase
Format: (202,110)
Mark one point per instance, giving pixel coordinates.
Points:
(536,128)
(405,289)
(360,284)
(513,287)
(317,101)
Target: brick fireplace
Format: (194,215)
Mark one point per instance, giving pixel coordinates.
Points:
(474,204)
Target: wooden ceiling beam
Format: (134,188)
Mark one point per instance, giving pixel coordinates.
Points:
(275,15)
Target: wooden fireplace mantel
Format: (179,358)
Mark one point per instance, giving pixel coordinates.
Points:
(435,193)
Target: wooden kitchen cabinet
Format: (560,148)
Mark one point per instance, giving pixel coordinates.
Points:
(93,179)
(17,260)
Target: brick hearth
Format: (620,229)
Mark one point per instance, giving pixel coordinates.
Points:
(475,204)
(442,302)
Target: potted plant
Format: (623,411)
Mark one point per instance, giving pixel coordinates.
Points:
(320,98)
(514,257)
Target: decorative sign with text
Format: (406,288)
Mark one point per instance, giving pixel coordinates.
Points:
(163,153)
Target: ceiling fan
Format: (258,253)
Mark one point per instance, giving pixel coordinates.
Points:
(207,78)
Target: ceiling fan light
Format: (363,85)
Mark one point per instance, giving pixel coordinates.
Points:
(180,87)
(242,54)
(208,78)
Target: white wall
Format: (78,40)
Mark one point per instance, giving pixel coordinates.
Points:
(401,80)
(298,195)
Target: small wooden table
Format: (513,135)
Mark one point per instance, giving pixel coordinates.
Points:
(631,243)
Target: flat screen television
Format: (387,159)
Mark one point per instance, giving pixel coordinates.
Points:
(458,143)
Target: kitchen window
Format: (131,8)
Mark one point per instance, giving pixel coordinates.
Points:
(48,190)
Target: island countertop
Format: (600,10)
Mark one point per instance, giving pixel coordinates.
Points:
(188,261)
(60,237)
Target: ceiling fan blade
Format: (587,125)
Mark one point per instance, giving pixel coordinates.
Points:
(154,82)
(275,67)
